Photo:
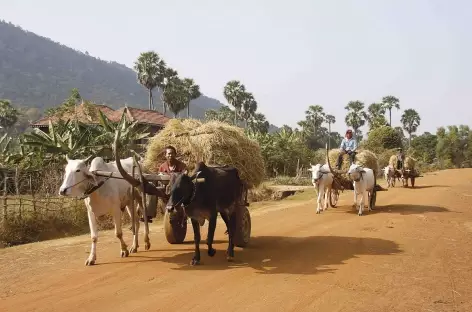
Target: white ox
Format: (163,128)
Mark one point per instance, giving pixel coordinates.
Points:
(364,183)
(389,175)
(322,180)
(113,196)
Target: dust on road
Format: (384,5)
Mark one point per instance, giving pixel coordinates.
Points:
(412,254)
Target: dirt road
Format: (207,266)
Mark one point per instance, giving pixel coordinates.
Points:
(414,253)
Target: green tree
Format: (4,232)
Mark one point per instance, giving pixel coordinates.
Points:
(424,147)
(151,70)
(234,92)
(376,115)
(388,103)
(193,92)
(8,115)
(223,114)
(315,116)
(355,117)
(258,123)
(382,138)
(410,120)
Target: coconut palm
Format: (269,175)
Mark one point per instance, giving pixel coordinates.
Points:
(151,70)
(390,102)
(410,120)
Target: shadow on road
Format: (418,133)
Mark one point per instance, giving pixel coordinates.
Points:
(403,209)
(282,255)
(426,186)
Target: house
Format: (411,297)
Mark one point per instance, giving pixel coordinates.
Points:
(88,114)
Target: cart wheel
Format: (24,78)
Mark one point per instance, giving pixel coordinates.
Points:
(243,227)
(175,233)
(412,182)
(333,197)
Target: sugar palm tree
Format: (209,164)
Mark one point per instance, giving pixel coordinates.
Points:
(150,70)
(355,117)
(410,120)
(193,92)
(329,119)
(234,92)
(388,103)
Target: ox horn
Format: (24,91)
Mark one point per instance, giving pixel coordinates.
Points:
(88,158)
(197,179)
(67,157)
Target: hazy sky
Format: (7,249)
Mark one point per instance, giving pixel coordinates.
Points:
(289,55)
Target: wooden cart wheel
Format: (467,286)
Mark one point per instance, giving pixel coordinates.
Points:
(175,233)
(333,197)
(243,227)
(373,198)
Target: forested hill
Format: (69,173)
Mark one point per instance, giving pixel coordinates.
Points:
(38,72)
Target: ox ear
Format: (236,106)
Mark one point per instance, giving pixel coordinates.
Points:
(309,169)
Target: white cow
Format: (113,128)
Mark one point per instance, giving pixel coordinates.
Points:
(322,180)
(364,183)
(113,196)
(389,175)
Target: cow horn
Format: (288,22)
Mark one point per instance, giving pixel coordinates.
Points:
(88,158)
(67,157)
(131,180)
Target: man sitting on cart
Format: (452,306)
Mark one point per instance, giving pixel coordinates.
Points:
(348,146)
(172,164)
(401,158)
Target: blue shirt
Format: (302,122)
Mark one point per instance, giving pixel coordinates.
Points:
(349,145)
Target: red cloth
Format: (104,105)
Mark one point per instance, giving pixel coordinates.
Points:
(178,167)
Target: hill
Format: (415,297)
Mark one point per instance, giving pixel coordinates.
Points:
(38,72)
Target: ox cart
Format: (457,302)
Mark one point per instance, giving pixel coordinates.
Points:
(175,228)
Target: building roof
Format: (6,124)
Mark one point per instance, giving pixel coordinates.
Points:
(87,116)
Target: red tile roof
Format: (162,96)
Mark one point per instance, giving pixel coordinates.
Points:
(149,117)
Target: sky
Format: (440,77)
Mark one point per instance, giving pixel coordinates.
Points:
(289,56)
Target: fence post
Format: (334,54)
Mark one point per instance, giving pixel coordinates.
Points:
(5,200)
(32,194)
(17,192)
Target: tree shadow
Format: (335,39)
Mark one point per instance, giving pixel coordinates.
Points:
(403,209)
(281,255)
(425,186)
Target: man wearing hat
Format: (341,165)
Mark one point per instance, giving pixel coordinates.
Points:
(400,158)
(348,146)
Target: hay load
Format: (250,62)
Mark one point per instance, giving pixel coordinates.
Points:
(214,142)
(393,161)
(364,158)
(410,163)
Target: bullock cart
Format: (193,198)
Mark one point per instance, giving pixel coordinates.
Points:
(175,228)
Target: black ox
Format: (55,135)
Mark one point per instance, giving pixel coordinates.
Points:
(221,191)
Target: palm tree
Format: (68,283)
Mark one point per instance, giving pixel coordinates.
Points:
(376,115)
(329,119)
(248,107)
(258,124)
(234,92)
(355,117)
(410,120)
(150,70)
(169,75)
(175,96)
(193,92)
(315,117)
(390,102)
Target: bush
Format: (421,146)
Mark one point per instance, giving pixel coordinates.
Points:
(383,138)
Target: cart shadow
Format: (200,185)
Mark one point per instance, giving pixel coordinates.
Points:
(282,255)
(402,209)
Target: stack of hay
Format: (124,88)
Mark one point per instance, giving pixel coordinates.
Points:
(214,142)
(410,163)
(364,158)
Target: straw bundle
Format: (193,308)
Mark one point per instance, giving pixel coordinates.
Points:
(409,162)
(393,161)
(214,142)
(364,158)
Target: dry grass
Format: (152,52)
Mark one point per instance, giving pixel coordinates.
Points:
(215,143)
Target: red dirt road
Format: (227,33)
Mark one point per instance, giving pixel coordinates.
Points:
(414,253)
